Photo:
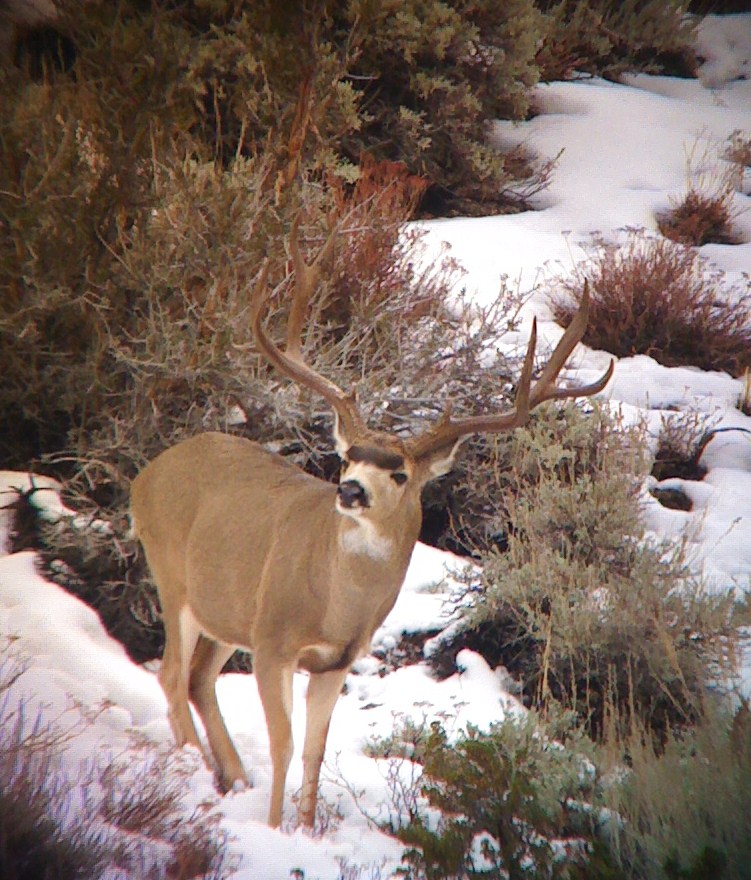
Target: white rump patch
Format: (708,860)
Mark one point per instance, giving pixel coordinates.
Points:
(365,540)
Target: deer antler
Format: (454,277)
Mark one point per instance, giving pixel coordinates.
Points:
(448,430)
(291,362)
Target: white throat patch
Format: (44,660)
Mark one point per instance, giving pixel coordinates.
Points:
(364,539)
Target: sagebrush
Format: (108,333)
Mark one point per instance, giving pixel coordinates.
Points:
(684,807)
(609,38)
(509,802)
(580,605)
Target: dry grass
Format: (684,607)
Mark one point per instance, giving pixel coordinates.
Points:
(683,808)
(744,400)
(739,149)
(129,815)
(701,218)
(655,297)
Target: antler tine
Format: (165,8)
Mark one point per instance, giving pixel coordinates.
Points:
(290,362)
(449,431)
(567,343)
(307,276)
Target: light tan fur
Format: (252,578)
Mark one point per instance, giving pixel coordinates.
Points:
(248,551)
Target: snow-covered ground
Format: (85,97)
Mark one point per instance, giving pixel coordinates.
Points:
(628,150)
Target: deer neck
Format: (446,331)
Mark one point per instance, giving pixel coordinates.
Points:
(368,543)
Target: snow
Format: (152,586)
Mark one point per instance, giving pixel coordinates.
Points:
(625,151)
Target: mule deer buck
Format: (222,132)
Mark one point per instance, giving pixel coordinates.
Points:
(248,551)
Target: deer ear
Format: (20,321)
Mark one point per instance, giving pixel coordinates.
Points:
(341,442)
(440,462)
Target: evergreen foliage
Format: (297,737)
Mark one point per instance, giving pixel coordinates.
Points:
(581,605)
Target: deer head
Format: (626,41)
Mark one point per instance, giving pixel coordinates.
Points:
(380,469)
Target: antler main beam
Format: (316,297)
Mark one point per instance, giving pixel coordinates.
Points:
(291,362)
(448,431)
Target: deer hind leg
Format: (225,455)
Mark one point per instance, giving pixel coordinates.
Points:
(208,660)
(181,637)
(274,678)
(323,691)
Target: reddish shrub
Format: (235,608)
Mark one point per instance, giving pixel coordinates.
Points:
(701,218)
(652,296)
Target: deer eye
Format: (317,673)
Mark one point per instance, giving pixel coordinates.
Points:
(399,478)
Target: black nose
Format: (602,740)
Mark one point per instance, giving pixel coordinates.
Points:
(352,494)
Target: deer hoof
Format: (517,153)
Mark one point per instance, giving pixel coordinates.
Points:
(233,784)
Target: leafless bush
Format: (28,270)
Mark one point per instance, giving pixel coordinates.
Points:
(154,834)
(62,827)
(679,446)
(652,296)
(701,218)
(739,149)
(33,795)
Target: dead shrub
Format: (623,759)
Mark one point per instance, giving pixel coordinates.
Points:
(680,444)
(655,297)
(33,795)
(154,836)
(739,149)
(701,218)
(142,830)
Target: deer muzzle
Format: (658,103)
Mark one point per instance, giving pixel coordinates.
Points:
(351,495)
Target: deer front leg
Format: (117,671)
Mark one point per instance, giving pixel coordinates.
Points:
(274,677)
(323,691)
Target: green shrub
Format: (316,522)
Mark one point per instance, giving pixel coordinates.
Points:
(581,606)
(683,808)
(432,76)
(652,296)
(324,82)
(609,38)
(506,803)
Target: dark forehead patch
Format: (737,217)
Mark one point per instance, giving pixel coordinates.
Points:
(387,461)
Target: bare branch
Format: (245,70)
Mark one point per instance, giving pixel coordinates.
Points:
(449,431)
